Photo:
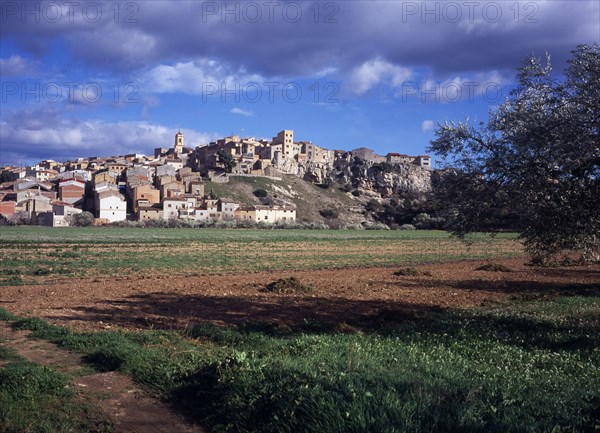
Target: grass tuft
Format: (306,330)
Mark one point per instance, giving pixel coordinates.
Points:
(36,398)
(6,315)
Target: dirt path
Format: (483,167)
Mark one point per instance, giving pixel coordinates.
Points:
(121,401)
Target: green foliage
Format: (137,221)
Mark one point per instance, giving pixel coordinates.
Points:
(373,206)
(376,226)
(425,222)
(83,219)
(6,315)
(226,159)
(34,398)
(527,366)
(396,212)
(329,213)
(536,163)
(260,193)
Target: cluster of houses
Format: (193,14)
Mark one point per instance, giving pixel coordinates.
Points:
(392,158)
(259,157)
(167,185)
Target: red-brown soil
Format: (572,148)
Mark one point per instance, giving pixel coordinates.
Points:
(341,295)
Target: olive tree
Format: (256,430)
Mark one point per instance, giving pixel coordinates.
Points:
(83,219)
(536,161)
(225,158)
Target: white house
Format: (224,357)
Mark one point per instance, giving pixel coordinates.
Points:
(201,214)
(227,208)
(273,214)
(111,205)
(172,205)
(175,163)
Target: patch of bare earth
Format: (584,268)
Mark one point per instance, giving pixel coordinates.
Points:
(119,399)
(176,299)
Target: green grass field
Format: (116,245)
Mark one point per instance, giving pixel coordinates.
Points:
(32,252)
(518,366)
(35,398)
(521,367)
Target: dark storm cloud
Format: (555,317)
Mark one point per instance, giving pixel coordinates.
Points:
(446,37)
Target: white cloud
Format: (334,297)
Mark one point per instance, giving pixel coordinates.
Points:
(427,125)
(201,76)
(236,110)
(43,134)
(488,84)
(15,66)
(325,72)
(371,73)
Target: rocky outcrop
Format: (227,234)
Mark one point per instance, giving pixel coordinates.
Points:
(314,172)
(385,179)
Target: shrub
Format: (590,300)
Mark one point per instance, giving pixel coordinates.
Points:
(494,267)
(329,213)
(411,272)
(373,206)
(406,227)
(83,219)
(376,226)
(260,193)
(424,222)
(42,271)
(287,285)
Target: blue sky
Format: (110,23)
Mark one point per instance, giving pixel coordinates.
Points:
(101,78)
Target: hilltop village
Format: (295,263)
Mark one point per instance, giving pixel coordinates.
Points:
(168,185)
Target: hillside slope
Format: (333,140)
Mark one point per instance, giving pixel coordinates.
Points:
(309,198)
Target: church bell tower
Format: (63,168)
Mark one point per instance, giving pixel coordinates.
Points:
(178,148)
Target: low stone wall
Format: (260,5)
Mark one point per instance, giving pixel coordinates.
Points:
(255,175)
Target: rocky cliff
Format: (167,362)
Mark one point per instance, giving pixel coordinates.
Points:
(384,179)
(311,171)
